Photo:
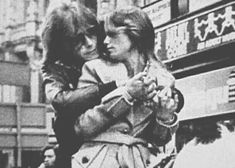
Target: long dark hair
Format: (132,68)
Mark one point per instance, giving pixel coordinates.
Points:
(60,31)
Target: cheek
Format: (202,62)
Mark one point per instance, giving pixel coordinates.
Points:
(77,53)
(78,49)
(125,47)
(81,51)
(127,43)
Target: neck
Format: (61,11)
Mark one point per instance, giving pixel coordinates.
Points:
(135,63)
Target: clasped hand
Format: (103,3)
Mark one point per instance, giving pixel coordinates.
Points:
(141,87)
(160,99)
(165,103)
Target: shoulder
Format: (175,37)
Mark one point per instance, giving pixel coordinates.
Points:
(106,71)
(103,66)
(100,63)
(93,62)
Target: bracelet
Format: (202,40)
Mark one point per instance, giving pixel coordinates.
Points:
(170,123)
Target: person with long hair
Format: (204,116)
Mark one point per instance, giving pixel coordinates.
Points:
(132,139)
(71,35)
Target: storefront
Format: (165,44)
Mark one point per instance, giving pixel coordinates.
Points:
(199,50)
(208,94)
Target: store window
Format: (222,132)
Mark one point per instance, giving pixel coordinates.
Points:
(19,57)
(195,5)
(12,94)
(9,94)
(7,158)
(3,160)
(182,7)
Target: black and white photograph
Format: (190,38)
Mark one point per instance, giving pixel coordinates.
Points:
(117,84)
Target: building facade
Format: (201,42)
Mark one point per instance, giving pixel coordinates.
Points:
(23,118)
(196,40)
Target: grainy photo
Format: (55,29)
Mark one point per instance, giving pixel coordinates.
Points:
(117,83)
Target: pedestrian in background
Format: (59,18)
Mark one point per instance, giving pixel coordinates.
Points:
(49,157)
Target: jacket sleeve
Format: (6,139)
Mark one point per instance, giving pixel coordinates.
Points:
(162,133)
(98,119)
(65,99)
(90,77)
(114,106)
(62,95)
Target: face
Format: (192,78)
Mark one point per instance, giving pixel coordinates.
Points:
(86,45)
(49,158)
(117,43)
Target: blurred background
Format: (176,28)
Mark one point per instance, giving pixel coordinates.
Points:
(195,39)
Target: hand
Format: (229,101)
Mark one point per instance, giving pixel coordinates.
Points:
(42,165)
(141,86)
(165,105)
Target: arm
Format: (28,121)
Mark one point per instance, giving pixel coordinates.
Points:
(98,119)
(114,105)
(64,97)
(166,121)
(162,133)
